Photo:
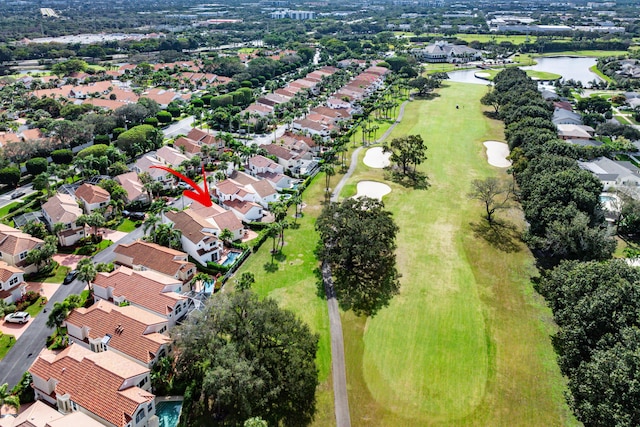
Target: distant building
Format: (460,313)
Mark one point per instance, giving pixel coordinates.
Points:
(299,15)
(442,51)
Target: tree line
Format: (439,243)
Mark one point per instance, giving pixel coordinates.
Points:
(592,297)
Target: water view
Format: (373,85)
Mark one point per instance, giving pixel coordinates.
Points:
(569,68)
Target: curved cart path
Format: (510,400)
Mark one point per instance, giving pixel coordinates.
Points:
(341,398)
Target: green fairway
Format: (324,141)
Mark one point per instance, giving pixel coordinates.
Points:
(467,340)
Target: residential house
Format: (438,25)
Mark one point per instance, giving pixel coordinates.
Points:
(141,255)
(260,164)
(93,197)
(134,187)
(199,237)
(288,159)
(171,156)
(128,331)
(64,209)
(313,128)
(164,97)
(241,186)
(566,117)
(39,414)
(188,146)
(151,291)
(205,138)
(221,219)
(146,164)
(14,246)
(575,131)
(12,285)
(612,173)
(105,386)
(337,102)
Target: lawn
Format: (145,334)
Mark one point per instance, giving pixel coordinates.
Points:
(58,277)
(4,211)
(35,308)
(126,226)
(291,281)
(6,342)
(467,340)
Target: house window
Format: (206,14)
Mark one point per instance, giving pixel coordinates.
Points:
(74,406)
(143,382)
(164,328)
(13,281)
(150,407)
(23,255)
(140,415)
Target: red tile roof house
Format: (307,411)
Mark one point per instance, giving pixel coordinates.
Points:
(105,386)
(133,186)
(241,186)
(14,246)
(140,255)
(151,291)
(221,219)
(199,237)
(128,331)
(206,138)
(93,197)
(40,414)
(144,163)
(63,208)
(190,147)
(12,285)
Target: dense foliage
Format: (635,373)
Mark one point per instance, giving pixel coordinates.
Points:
(357,240)
(241,357)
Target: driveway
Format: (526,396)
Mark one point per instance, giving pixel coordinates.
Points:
(68,260)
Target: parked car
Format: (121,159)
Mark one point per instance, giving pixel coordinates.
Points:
(17,194)
(126,213)
(137,215)
(70,277)
(17,317)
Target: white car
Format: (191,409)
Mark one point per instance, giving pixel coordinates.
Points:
(17,317)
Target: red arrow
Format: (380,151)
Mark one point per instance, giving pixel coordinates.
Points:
(199,195)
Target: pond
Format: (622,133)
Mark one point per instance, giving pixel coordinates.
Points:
(569,68)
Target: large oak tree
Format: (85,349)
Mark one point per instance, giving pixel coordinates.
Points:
(358,242)
(243,357)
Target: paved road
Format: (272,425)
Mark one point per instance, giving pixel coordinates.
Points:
(6,199)
(27,348)
(340,395)
(181,127)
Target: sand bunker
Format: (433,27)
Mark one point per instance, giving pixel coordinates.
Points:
(375,158)
(372,189)
(482,75)
(497,153)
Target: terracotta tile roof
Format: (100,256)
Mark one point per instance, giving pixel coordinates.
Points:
(104,103)
(93,381)
(62,208)
(278,151)
(241,206)
(161,96)
(131,184)
(242,178)
(171,155)
(39,414)
(31,134)
(6,271)
(13,241)
(91,194)
(144,164)
(262,162)
(7,137)
(203,136)
(127,327)
(142,288)
(263,188)
(190,146)
(227,220)
(191,225)
(227,187)
(261,109)
(155,257)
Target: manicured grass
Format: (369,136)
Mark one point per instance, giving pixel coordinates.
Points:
(497,38)
(6,342)
(4,211)
(291,281)
(467,340)
(539,75)
(594,69)
(58,277)
(35,308)
(594,53)
(127,226)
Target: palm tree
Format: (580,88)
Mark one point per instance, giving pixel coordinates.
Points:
(150,223)
(6,398)
(329,171)
(168,236)
(226,235)
(86,272)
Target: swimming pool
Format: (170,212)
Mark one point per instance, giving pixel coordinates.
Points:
(208,287)
(168,413)
(231,258)
(605,199)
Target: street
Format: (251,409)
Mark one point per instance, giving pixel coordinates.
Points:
(33,340)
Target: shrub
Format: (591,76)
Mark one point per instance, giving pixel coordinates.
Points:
(37,165)
(164,117)
(23,389)
(151,121)
(62,157)
(101,139)
(87,250)
(217,268)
